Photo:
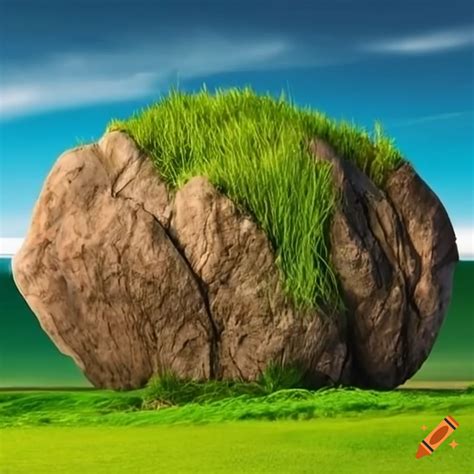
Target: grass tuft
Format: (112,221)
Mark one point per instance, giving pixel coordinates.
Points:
(277,377)
(255,150)
(169,389)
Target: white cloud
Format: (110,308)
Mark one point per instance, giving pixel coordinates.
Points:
(432,42)
(465,242)
(82,79)
(21,99)
(9,246)
(143,69)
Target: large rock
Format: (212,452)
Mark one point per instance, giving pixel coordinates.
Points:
(100,272)
(254,323)
(130,280)
(394,253)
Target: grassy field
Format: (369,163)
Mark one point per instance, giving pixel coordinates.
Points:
(291,430)
(255,149)
(364,444)
(333,430)
(106,408)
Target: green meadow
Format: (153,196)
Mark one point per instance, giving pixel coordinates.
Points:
(289,431)
(19,409)
(359,445)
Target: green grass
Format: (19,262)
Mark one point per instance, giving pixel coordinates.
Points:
(288,431)
(169,389)
(96,408)
(277,377)
(255,150)
(328,446)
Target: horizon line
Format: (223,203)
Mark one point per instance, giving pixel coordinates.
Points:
(462,258)
(9,246)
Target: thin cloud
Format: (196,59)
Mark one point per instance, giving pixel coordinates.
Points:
(9,246)
(84,79)
(144,69)
(432,118)
(56,94)
(465,241)
(437,41)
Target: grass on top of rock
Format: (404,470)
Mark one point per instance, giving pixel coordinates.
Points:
(254,149)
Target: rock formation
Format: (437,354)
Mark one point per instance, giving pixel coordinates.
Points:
(394,252)
(130,279)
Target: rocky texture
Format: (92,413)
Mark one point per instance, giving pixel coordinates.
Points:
(130,280)
(101,274)
(394,252)
(254,323)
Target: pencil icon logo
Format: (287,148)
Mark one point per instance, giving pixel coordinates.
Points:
(437,437)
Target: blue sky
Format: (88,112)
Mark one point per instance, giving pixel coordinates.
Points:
(66,68)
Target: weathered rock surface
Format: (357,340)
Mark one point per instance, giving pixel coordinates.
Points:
(254,323)
(103,277)
(394,253)
(130,280)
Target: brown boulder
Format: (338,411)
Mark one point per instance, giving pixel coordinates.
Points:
(254,322)
(101,274)
(394,251)
(130,280)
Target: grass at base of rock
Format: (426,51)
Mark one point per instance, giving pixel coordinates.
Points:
(169,389)
(96,408)
(255,150)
